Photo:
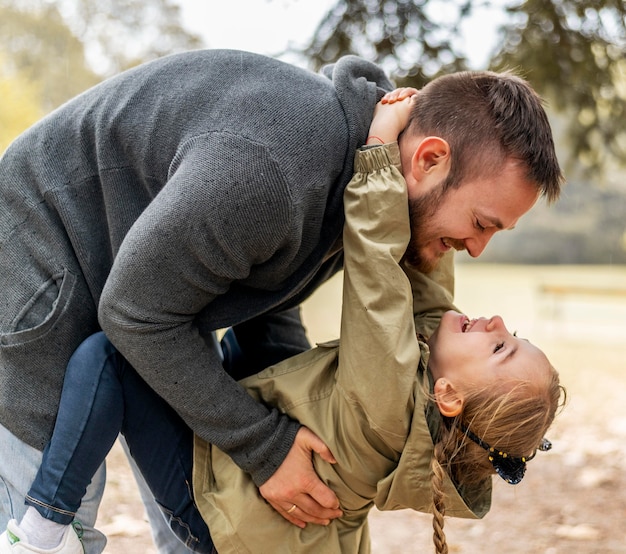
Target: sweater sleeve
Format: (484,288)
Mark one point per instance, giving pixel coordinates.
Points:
(207,228)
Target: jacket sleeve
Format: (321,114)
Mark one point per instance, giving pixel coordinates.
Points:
(189,246)
(379,350)
(433,294)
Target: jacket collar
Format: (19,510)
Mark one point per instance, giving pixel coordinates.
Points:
(409,485)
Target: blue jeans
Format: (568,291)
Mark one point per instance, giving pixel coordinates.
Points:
(19,463)
(103,396)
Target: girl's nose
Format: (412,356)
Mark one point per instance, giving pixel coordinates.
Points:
(495,323)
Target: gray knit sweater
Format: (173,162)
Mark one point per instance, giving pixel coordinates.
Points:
(188,194)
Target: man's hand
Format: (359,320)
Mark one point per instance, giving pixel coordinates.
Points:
(295,483)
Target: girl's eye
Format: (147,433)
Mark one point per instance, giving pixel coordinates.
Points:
(515,333)
(499,346)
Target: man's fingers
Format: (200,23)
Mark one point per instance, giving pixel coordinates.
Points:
(311,441)
(322,495)
(303,512)
(295,482)
(292,517)
(324,501)
(300,516)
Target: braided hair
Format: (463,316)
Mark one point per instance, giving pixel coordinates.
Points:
(513,418)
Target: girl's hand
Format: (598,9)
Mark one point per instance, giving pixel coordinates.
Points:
(391,116)
(398,94)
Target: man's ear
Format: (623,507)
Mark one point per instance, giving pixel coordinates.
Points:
(448,399)
(430,163)
(430,152)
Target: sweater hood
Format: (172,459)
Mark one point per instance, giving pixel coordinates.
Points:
(359,85)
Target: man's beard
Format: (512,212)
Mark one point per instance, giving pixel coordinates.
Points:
(421,213)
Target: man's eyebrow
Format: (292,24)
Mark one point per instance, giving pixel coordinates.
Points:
(495,221)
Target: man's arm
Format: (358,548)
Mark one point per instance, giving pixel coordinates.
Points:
(195,241)
(184,253)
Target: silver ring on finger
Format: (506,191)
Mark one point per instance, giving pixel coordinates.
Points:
(290,510)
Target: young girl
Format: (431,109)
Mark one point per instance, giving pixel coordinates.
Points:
(412,423)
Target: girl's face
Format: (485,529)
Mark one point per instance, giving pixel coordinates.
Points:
(481,352)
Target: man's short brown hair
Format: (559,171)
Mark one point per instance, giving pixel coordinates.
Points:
(488,118)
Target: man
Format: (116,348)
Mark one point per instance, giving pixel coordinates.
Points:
(204,191)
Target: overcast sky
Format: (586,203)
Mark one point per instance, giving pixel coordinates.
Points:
(262,26)
(267,27)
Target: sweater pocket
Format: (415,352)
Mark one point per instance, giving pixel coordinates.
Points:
(58,316)
(42,310)
(35,349)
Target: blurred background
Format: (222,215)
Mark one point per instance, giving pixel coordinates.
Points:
(572,51)
(559,278)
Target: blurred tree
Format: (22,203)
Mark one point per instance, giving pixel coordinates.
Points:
(69,45)
(20,106)
(122,33)
(39,46)
(572,51)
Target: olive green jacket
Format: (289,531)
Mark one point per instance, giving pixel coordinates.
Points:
(365,396)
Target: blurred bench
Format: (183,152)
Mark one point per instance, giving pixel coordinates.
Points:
(581,290)
(556,296)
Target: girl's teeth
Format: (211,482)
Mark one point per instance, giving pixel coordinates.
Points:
(467,324)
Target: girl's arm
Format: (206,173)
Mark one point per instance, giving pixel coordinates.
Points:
(379,352)
(391,116)
(433,294)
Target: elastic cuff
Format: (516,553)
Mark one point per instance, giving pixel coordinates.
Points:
(375,157)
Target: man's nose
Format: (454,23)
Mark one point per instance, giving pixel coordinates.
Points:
(476,245)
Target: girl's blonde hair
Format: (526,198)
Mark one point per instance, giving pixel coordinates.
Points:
(512,418)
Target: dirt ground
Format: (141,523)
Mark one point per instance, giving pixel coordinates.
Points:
(572,500)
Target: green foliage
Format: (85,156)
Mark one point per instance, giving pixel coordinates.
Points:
(70,45)
(52,51)
(572,51)
(20,106)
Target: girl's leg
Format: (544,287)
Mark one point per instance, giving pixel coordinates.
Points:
(161,444)
(19,464)
(102,394)
(88,422)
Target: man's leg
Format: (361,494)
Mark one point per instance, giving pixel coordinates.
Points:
(19,464)
(162,535)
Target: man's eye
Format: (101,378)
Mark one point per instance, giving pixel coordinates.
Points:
(479,226)
(498,347)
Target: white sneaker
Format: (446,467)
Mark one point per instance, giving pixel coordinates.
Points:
(13,541)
